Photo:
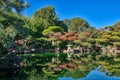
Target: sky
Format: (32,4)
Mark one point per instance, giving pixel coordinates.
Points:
(98,13)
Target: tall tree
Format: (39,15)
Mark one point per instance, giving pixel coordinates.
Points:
(35,27)
(62,25)
(78,25)
(10,5)
(47,16)
(116,26)
(67,22)
(11,22)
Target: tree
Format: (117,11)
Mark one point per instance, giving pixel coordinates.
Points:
(112,33)
(47,16)
(34,27)
(62,25)
(9,16)
(109,28)
(67,22)
(78,25)
(6,37)
(51,30)
(11,23)
(10,5)
(91,30)
(14,20)
(116,26)
(83,37)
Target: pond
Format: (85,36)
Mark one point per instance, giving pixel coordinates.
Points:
(39,67)
(94,75)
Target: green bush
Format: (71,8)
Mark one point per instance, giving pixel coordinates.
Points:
(63,57)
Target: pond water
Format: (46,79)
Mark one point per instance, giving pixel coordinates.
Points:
(94,75)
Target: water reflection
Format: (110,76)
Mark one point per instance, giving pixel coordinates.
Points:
(95,75)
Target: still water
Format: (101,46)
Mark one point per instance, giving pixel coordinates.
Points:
(94,75)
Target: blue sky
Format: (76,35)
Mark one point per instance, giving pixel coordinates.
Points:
(97,13)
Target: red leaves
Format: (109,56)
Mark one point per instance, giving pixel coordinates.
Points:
(63,37)
(69,34)
(57,34)
(71,38)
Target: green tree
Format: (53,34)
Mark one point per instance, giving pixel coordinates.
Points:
(47,16)
(67,22)
(10,5)
(112,34)
(34,27)
(7,37)
(116,26)
(51,30)
(14,20)
(62,25)
(78,25)
(10,22)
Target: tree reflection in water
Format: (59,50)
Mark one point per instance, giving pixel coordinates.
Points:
(94,75)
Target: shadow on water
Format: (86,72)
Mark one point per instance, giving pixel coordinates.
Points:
(94,75)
